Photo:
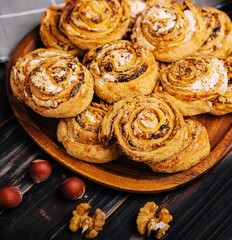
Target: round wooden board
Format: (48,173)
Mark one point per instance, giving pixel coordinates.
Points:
(122,174)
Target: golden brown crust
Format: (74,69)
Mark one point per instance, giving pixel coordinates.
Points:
(219,33)
(89,24)
(59,87)
(79,135)
(51,35)
(195,147)
(147,128)
(121,69)
(223,104)
(24,65)
(171,32)
(193,83)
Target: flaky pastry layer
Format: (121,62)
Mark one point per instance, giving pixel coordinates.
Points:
(193,83)
(79,136)
(170,31)
(195,147)
(51,35)
(89,24)
(147,128)
(59,87)
(121,69)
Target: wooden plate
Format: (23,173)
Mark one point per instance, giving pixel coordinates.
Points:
(122,174)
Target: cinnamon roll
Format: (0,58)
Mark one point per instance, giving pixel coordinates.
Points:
(51,35)
(193,83)
(59,87)
(223,104)
(25,65)
(121,69)
(170,31)
(219,33)
(79,135)
(147,128)
(89,24)
(195,147)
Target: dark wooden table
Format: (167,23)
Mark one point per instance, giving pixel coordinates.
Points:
(201,209)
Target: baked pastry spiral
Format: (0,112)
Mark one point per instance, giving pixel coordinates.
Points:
(121,69)
(223,104)
(195,147)
(79,135)
(25,65)
(137,6)
(193,83)
(170,31)
(89,24)
(59,87)
(219,33)
(51,35)
(147,128)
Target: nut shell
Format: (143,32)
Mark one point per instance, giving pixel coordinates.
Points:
(73,188)
(40,170)
(10,196)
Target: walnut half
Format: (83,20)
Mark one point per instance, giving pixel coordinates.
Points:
(91,225)
(147,222)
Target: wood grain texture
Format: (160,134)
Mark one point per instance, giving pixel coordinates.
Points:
(202,207)
(121,174)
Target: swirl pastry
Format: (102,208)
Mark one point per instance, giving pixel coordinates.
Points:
(147,128)
(79,135)
(51,35)
(193,83)
(59,87)
(170,31)
(195,148)
(121,69)
(25,65)
(137,6)
(89,24)
(223,104)
(219,33)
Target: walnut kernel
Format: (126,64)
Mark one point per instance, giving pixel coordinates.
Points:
(91,225)
(147,222)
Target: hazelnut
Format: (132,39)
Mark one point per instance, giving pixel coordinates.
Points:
(40,170)
(10,196)
(73,188)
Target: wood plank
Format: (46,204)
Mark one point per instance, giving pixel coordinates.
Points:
(214,220)
(227,232)
(188,205)
(183,203)
(17,151)
(40,201)
(192,204)
(45,210)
